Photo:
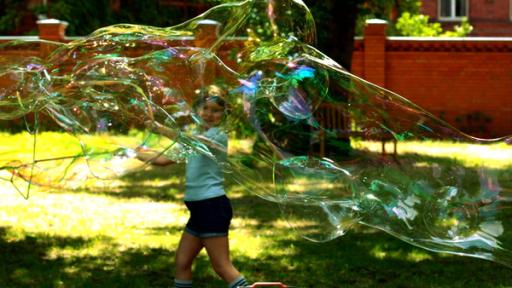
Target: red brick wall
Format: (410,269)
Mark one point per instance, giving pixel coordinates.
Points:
(466,82)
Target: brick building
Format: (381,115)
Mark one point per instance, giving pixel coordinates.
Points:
(488,17)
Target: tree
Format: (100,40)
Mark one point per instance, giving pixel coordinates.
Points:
(14,16)
(84,16)
(339,21)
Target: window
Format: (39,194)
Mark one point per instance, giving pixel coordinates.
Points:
(453,9)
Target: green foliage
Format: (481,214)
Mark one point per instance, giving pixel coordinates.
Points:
(86,16)
(148,13)
(411,6)
(10,16)
(418,25)
(461,30)
(384,9)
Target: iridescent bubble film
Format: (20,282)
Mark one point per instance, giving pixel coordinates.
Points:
(332,149)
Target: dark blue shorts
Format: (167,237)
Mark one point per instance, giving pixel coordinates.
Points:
(209,217)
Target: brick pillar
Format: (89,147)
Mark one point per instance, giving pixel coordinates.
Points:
(52,30)
(375,51)
(206,33)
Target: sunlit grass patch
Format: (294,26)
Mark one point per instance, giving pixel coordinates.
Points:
(498,155)
(87,215)
(415,255)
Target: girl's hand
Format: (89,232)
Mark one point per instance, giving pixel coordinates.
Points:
(141,149)
(151,156)
(150,125)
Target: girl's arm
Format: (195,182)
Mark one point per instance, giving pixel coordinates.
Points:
(161,129)
(153,157)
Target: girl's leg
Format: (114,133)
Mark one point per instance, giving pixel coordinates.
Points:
(218,252)
(187,251)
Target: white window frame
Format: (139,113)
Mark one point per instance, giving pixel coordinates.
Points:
(453,17)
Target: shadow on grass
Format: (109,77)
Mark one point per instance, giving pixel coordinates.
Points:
(349,262)
(28,263)
(262,212)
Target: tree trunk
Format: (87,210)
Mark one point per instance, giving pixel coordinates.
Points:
(336,25)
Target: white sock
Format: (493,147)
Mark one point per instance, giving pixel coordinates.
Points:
(182,283)
(238,282)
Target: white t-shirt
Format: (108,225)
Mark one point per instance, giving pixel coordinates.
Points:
(204,177)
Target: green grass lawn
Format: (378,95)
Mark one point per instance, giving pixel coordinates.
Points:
(124,234)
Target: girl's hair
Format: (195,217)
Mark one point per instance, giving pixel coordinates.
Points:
(211,93)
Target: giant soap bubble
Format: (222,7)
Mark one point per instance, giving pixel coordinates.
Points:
(313,132)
